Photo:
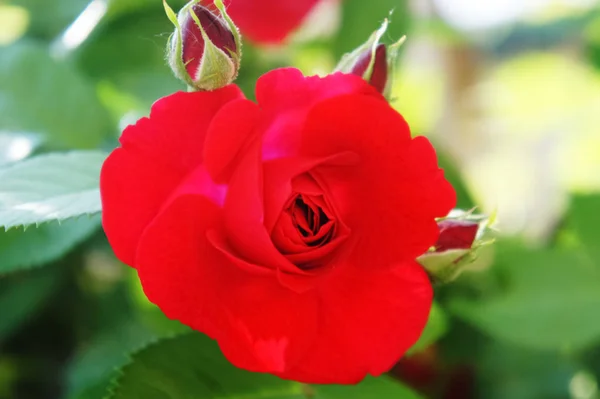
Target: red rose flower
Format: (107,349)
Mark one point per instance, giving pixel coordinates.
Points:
(286,230)
(267,21)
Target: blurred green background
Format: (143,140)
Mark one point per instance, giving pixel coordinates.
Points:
(509,92)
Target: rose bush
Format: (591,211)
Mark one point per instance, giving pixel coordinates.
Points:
(285,229)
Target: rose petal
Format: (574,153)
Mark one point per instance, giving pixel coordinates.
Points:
(137,178)
(286,237)
(259,325)
(279,174)
(244,215)
(391,198)
(232,129)
(317,257)
(381,316)
(219,241)
(286,97)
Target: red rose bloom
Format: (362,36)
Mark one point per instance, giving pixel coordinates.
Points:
(286,230)
(267,21)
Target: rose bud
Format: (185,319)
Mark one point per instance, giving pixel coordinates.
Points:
(456,234)
(379,68)
(373,61)
(461,236)
(205,49)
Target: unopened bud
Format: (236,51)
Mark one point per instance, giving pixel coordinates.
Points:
(462,236)
(205,49)
(456,234)
(379,72)
(373,61)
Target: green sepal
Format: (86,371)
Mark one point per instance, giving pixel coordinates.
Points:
(175,45)
(393,53)
(349,60)
(236,55)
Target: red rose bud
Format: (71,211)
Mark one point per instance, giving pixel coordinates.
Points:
(204,51)
(378,76)
(462,235)
(373,61)
(194,43)
(456,234)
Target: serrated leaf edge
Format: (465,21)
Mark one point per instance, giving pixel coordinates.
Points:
(115,382)
(25,267)
(3,227)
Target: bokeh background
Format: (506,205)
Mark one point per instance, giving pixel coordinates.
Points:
(509,92)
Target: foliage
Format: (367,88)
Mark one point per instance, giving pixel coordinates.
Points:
(53,187)
(191,365)
(514,118)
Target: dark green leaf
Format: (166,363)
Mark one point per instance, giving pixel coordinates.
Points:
(40,95)
(91,369)
(191,366)
(118,327)
(511,372)
(21,295)
(36,246)
(369,388)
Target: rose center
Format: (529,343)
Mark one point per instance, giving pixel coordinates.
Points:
(310,220)
(309,230)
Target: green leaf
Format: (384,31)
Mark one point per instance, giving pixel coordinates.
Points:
(511,372)
(358,22)
(42,96)
(51,187)
(550,300)
(370,388)
(191,366)
(37,246)
(437,326)
(92,367)
(585,220)
(21,295)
